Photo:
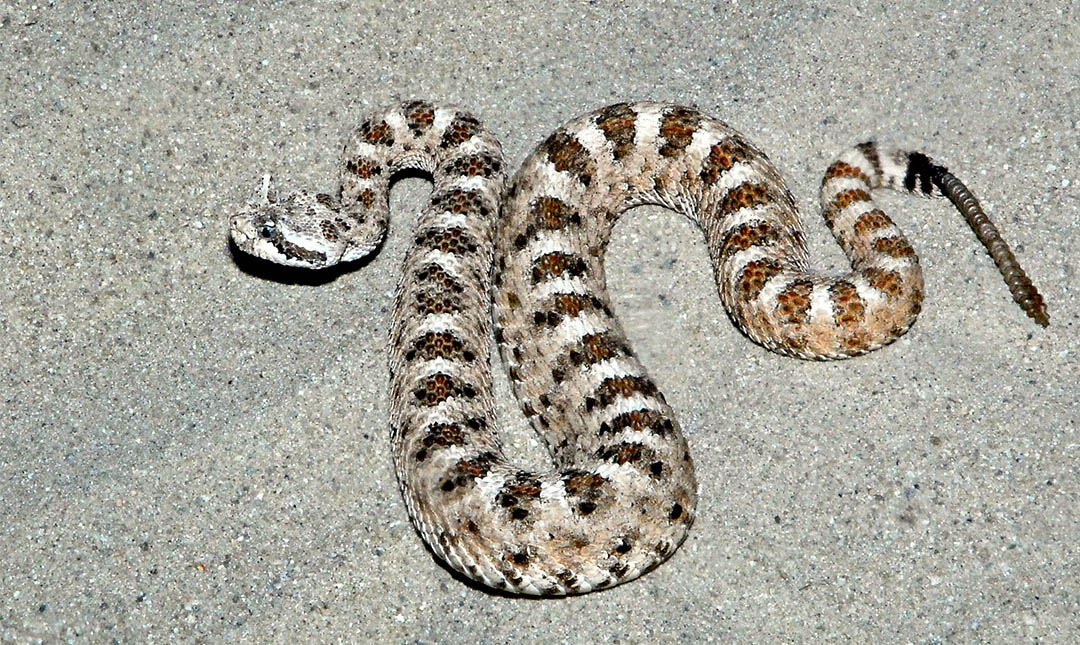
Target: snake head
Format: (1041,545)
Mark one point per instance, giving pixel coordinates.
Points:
(303,229)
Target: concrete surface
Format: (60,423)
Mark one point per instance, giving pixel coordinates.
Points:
(191,452)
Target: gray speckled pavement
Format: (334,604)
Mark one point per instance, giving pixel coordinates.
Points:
(191,452)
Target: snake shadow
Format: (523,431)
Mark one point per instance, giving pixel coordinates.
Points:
(500,593)
(461,578)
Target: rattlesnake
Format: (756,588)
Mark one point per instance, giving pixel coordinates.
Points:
(622,493)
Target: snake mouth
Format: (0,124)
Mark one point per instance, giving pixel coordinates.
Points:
(242,230)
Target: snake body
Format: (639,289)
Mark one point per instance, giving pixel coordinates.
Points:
(622,493)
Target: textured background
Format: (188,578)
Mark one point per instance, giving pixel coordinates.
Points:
(191,452)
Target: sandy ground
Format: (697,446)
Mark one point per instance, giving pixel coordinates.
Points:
(192,452)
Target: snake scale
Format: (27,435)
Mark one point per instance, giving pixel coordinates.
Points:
(530,256)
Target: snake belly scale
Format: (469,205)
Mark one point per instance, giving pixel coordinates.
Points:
(621,495)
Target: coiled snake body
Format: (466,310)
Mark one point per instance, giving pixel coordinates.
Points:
(622,493)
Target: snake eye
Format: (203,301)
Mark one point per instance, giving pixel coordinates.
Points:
(267,230)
